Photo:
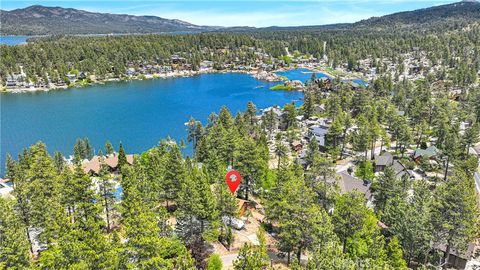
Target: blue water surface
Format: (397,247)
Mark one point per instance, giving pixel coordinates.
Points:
(13,40)
(300,74)
(137,113)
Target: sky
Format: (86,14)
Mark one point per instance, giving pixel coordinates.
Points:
(244,13)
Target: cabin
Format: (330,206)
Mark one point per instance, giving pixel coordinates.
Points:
(319,108)
(72,77)
(400,170)
(297,146)
(425,154)
(348,183)
(382,161)
(92,167)
(82,75)
(206,65)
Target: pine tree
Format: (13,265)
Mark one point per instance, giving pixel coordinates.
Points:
(455,216)
(250,165)
(146,248)
(214,262)
(395,254)
(386,187)
(107,193)
(14,245)
(308,105)
(197,206)
(348,216)
(174,175)
(122,158)
(248,259)
(301,222)
(109,148)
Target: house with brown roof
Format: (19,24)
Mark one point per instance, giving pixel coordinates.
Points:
(92,166)
(297,146)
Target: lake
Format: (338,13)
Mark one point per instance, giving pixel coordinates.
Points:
(13,40)
(137,113)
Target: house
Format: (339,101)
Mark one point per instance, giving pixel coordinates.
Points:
(297,145)
(130,71)
(72,77)
(278,114)
(11,82)
(14,80)
(382,161)
(82,75)
(430,153)
(348,183)
(206,65)
(92,167)
(400,170)
(458,259)
(319,108)
(175,59)
(318,132)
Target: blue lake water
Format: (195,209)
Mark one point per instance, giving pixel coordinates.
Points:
(13,40)
(300,74)
(137,113)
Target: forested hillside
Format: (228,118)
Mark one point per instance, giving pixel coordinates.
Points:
(41,20)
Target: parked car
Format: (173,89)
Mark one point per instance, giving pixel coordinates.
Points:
(233,222)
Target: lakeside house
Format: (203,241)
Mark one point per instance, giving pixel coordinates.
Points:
(92,167)
(206,65)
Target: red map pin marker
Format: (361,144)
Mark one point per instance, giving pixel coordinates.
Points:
(233,179)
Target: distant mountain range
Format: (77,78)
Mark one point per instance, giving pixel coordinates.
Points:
(468,10)
(41,20)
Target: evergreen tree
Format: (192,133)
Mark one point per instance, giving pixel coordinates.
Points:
(14,245)
(122,158)
(107,193)
(174,175)
(455,216)
(214,262)
(109,148)
(386,187)
(348,216)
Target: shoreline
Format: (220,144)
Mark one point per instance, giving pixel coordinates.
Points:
(269,76)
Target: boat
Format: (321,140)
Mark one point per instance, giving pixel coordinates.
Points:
(259,86)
